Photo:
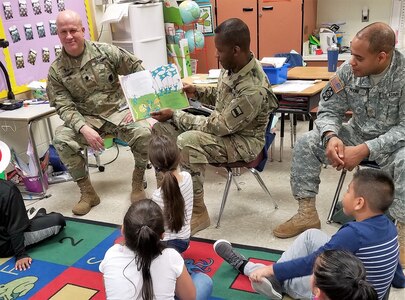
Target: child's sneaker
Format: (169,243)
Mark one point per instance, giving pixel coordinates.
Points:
(269,287)
(224,249)
(32,212)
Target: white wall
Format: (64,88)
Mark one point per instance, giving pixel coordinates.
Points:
(103,32)
(349,11)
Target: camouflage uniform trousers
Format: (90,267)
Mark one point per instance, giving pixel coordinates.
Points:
(70,145)
(197,149)
(309,156)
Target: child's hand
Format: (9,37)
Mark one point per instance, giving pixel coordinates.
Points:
(23,263)
(258,274)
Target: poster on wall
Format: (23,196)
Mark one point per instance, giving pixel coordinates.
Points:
(30,28)
(206,22)
(3,85)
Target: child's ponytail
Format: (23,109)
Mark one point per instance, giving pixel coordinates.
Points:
(164,155)
(143,229)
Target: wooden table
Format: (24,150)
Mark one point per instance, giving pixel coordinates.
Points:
(310,73)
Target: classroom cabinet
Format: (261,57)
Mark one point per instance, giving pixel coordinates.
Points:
(275,25)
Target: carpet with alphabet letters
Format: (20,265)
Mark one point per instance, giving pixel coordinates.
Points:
(66,266)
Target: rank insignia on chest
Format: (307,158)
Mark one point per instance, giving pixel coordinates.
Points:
(336,84)
(236,112)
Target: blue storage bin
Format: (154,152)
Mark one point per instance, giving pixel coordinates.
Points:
(276,75)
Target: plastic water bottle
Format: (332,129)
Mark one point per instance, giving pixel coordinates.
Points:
(333,53)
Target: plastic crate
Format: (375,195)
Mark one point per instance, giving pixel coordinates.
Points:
(276,75)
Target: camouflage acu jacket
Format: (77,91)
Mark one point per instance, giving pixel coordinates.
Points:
(243,102)
(378,110)
(86,89)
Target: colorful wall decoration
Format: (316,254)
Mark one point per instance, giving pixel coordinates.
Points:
(30,28)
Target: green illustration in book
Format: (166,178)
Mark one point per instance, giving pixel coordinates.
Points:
(149,91)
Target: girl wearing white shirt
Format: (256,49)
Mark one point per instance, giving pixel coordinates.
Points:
(175,191)
(143,268)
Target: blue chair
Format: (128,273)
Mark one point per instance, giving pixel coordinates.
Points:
(254,167)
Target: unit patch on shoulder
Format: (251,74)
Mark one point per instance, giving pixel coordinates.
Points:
(336,84)
(326,94)
(236,112)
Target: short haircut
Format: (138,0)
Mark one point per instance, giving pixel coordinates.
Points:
(234,32)
(380,36)
(376,187)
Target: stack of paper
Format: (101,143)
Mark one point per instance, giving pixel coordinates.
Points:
(276,62)
(291,86)
(214,73)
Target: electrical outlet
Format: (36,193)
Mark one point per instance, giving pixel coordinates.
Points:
(365,14)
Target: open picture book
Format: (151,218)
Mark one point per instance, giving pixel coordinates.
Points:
(151,90)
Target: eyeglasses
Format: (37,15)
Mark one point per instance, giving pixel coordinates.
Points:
(65,33)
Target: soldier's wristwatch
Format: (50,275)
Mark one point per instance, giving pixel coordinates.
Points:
(327,138)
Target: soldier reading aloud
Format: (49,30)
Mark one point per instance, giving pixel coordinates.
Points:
(243,101)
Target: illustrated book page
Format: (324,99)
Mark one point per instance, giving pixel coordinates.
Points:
(148,91)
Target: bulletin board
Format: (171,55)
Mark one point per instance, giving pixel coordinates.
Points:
(30,28)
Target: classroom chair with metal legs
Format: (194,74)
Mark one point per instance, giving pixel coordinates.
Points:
(254,167)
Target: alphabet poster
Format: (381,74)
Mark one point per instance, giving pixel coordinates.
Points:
(29,26)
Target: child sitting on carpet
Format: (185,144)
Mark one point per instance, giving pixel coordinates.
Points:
(175,191)
(143,268)
(369,195)
(340,275)
(17,232)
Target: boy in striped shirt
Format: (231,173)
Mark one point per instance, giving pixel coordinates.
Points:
(372,238)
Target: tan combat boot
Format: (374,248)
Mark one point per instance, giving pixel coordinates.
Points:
(200,219)
(138,193)
(88,197)
(401,242)
(306,218)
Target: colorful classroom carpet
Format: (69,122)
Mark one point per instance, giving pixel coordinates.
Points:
(66,266)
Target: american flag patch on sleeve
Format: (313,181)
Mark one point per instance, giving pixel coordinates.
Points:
(336,84)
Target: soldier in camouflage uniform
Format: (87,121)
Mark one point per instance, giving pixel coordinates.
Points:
(235,130)
(372,86)
(83,86)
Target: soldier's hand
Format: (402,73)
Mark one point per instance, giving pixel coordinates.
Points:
(162,115)
(354,155)
(128,118)
(23,263)
(92,137)
(189,89)
(335,152)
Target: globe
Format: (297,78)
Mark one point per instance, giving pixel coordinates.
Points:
(189,11)
(195,39)
(178,35)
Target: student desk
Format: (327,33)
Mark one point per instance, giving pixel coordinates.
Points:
(310,73)
(298,103)
(32,114)
(288,106)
